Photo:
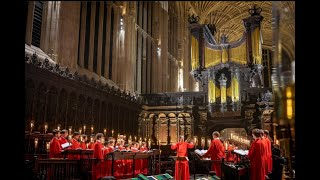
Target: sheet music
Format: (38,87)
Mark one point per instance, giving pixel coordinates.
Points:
(241,152)
(200,152)
(65,145)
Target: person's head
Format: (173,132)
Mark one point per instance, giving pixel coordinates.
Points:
(265,133)
(143,144)
(76,135)
(181,138)
(215,134)
(256,133)
(84,138)
(106,143)
(92,137)
(64,133)
(56,133)
(99,136)
(261,133)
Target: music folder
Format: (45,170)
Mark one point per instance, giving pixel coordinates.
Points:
(65,145)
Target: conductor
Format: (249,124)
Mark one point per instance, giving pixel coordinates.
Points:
(182,164)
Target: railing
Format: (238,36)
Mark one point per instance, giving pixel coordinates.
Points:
(56,169)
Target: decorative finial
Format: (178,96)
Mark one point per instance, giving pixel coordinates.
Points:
(255,10)
(193,19)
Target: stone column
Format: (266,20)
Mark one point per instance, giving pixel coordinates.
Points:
(223,89)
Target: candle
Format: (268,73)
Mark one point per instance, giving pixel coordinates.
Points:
(124,137)
(135,138)
(112,132)
(80,130)
(91,129)
(35,143)
(70,129)
(59,126)
(277,142)
(84,129)
(105,131)
(231,136)
(149,143)
(195,139)
(130,137)
(45,127)
(48,146)
(31,125)
(81,138)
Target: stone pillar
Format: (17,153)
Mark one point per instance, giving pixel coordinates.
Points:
(223,89)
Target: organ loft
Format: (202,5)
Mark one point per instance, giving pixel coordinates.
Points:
(118,89)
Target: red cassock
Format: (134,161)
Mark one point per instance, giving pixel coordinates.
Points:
(269,154)
(182,167)
(144,162)
(137,164)
(63,140)
(216,152)
(105,167)
(230,156)
(109,162)
(97,165)
(265,157)
(55,148)
(257,161)
(83,146)
(75,145)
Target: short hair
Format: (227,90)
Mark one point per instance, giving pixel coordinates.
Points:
(55,131)
(76,133)
(216,133)
(256,132)
(83,135)
(99,135)
(266,132)
(64,131)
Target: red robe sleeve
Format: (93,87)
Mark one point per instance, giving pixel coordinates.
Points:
(190,145)
(174,146)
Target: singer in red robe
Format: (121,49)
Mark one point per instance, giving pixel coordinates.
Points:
(75,145)
(269,151)
(144,162)
(98,155)
(55,147)
(256,156)
(182,167)
(216,152)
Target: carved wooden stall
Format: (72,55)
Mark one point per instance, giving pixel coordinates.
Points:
(57,97)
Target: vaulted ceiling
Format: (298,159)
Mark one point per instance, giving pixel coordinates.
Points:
(227,17)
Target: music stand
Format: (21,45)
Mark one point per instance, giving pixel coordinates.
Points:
(180,158)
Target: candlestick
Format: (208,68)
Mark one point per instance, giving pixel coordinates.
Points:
(105,131)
